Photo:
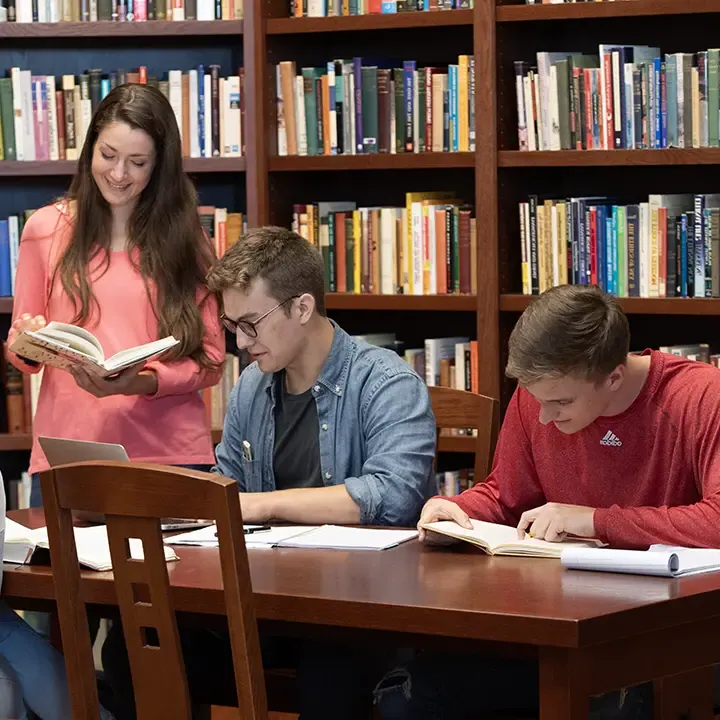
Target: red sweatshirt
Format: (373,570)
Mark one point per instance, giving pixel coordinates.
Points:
(652,472)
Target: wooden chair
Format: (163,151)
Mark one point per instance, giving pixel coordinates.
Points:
(461,409)
(133,498)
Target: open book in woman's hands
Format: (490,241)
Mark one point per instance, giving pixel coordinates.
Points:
(63,346)
(503,539)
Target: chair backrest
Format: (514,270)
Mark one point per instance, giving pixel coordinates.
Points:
(459,409)
(134,497)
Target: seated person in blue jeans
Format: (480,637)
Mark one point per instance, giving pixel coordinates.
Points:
(321,428)
(32,672)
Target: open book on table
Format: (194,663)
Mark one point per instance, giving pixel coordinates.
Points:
(62,345)
(23,545)
(661,560)
(329,537)
(503,539)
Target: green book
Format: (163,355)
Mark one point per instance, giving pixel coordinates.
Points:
(370,109)
(7,119)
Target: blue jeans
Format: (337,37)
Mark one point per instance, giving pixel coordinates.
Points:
(36,495)
(444,686)
(31,670)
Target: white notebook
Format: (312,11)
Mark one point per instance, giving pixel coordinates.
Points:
(92,545)
(207,537)
(660,560)
(333,537)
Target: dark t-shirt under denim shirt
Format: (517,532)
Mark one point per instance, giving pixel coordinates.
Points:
(376,431)
(296,456)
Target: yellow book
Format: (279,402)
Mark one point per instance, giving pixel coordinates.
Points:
(413,245)
(357,247)
(463,115)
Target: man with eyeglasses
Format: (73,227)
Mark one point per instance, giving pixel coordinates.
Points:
(320,428)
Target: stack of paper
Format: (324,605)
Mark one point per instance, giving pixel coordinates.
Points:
(333,537)
(92,545)
(660,560)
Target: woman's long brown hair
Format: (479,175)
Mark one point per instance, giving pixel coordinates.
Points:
(173,253)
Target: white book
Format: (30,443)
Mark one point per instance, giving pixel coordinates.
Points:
(388,229)
(194,110)
(207,129)
(14,232)
(28,117)
(497,539)
(92,545)
(300,126)
(52,118)
(233,130)
(205,10)
(62,345)
(660,560)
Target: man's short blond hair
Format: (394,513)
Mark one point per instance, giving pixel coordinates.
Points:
(289,265)
(576,330)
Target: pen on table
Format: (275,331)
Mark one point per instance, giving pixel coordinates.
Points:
(250,531)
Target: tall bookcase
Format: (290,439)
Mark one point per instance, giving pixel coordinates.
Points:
(505,176)
(262,184)
(494,178)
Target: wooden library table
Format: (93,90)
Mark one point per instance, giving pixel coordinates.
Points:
(591,632)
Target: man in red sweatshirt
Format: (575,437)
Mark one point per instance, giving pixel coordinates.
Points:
(597,443)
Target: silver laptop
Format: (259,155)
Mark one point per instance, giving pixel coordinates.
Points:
(61,451)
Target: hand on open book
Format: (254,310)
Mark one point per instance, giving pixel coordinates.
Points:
(23,323)
(131,381)
(439,509)
(554,521)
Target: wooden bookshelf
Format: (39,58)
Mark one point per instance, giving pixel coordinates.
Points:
(509,31)
(399,161)
(364,23)
(594,10)
(604,158)
(443,303)
(20,441)
(54,168)
(6,305)
(105,29)
(634,306)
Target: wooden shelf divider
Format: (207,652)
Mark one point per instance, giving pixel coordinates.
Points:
(634,305)
(353,301)
(364,23)
(593,10)
(602,158)
(384,161)
(19,441)
(52,168)
(106,29)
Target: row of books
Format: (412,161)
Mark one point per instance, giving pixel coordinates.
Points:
(222,227)
(55,11)
(453,482)
(345,8)
(21,395)
(42,118)
(699,352)
(351,108)
(668,246)
(624,97)
(428,247)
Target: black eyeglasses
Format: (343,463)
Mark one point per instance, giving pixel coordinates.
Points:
(249,327)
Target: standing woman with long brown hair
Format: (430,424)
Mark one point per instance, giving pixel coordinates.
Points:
(124,255)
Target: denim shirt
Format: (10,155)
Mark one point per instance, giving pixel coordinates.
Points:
(376,430)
